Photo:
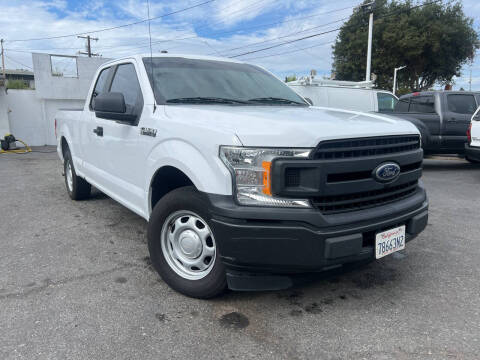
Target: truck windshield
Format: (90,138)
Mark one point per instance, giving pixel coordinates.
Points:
(191,81)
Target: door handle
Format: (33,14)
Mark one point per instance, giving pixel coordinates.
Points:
(98,131)
(452,120)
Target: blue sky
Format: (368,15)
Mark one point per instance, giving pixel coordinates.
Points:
(220,27)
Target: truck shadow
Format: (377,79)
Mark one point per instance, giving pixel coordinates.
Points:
(449,165)
(310,291)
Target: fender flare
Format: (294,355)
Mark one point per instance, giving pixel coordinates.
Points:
(423,131)
(207,174)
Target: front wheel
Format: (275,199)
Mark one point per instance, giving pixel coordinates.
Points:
(77,188)
(182,245)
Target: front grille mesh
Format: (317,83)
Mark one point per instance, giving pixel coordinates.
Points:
(363,147)
(364,200)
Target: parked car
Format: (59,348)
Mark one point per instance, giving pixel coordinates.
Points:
(442,117)
(348,95)
(241,181)
(472,147)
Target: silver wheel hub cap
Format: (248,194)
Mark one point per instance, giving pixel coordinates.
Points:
(69,175)
(188,245)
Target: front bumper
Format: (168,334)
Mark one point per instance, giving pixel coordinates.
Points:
(472,152)
(262,247)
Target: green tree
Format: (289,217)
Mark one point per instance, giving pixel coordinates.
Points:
(290,78)
(16,84)
(433,41)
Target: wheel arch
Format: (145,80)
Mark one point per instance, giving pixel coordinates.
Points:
(64,146)
(164,180)
(184,164)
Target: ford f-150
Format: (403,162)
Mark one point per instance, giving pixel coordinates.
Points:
(242,182)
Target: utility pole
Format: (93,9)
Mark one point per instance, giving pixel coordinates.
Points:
(89,46)
(369,7)
(395,77)
(3,59)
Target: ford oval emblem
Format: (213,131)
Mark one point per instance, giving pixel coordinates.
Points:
(386,172)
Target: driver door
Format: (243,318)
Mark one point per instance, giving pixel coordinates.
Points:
(117,155)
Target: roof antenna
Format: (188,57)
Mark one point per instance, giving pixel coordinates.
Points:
(151,57)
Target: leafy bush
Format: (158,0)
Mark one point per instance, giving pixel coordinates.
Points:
(16,84)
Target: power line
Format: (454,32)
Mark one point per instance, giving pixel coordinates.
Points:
(22,51)
(188,37)
(127,47)
(239,30)
(147,43)
(17,62)
(116,27)
(285,36)
(257,26)
(248,45)
(290,52)
(285,43)
(329,31)
(296,19)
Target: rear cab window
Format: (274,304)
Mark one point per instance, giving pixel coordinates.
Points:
(386,102)
(422,104)
(461,103)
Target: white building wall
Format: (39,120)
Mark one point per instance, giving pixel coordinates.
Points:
(25,116)
(31,113)
(51,106)
(66,88)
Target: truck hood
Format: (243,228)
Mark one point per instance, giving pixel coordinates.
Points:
(289,126)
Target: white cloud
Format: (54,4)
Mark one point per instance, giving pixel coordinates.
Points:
(230,12)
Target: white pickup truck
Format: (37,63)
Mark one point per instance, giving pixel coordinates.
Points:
(241,181)
(472,147)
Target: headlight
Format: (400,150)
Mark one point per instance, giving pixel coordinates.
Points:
(250,168)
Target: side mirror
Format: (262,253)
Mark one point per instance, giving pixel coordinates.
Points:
(309,101)
(112,106)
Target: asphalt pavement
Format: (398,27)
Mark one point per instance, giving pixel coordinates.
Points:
(76,283)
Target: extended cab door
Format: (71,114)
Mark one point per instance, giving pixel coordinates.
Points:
(89,143)
(458,110)
(116,155)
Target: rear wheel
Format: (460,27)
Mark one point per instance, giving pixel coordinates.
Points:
(473,161)
(182,245)
(77,188)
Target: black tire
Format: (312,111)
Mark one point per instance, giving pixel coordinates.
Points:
(472,160)
(79,189)
(178,200)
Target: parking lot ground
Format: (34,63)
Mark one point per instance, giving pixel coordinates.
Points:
(76,283)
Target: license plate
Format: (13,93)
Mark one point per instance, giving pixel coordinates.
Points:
(387,242)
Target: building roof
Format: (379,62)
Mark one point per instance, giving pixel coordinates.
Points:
(17,72)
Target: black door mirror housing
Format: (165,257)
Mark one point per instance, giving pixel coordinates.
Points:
(112,106)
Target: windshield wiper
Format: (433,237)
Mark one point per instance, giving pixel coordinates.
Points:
(205,100)
(275,100)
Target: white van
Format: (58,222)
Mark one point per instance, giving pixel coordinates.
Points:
(348,95)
